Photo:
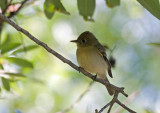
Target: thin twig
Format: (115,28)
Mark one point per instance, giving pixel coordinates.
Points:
(14,13)
(104,107)
(110,104)
(127,101)
(116,89)
(115,100)
(109,110)
(125,107)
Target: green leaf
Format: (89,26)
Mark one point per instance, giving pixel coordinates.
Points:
(50,6)
(5,83)
(59,7)
(6,39)
(48,9)
(153,6)
(20,62)
(28,48)
(3,4)
(14,74)
(86,8)
(112,3)
(1,66)
(9,47)
(154,44)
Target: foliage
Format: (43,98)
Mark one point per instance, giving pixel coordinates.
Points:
(50,6)
(112,3)
(9,50)
(86,7)
(153,6)
(3,4)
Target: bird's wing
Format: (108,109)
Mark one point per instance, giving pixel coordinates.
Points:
(102,52)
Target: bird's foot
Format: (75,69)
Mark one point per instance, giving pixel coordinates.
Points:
(79,69)
(94,77)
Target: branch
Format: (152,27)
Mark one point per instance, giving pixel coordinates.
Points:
(124,106)
(115,100)
(14,13)
(127,101)
(116,89)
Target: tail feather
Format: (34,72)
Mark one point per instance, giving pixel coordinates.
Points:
(110,73)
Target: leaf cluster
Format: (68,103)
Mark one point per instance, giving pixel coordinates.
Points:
(86,8)
(9,51)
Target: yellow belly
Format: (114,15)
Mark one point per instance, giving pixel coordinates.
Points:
(90,59)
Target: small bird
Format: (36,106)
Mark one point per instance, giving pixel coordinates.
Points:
(91,56)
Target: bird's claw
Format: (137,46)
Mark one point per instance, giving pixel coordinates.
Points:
(79,69)
(94,77)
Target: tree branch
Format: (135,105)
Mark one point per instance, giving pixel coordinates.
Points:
(115,100)
(127,101)
(124,106)
(116,89)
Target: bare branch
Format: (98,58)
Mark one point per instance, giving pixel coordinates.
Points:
(115,100)
(116,89)
(127,101)
(125,107)
(110,104)
(104,107)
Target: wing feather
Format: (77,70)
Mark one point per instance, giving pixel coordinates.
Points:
(102,52)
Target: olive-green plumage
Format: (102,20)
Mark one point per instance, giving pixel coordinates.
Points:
(92,57)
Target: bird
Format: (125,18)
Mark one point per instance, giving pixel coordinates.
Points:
(91,56)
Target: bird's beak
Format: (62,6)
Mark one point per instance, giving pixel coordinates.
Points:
(75,41)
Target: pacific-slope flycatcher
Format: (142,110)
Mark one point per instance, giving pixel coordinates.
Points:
(92,57)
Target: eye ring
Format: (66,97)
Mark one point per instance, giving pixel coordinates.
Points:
(84,40)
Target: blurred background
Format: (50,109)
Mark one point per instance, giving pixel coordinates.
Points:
(47,85)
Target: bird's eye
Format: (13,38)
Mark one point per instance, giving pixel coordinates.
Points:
(84,41)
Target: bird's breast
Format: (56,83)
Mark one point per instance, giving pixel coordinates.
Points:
(90,59)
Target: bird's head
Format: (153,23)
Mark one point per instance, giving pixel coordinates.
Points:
(86,39)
